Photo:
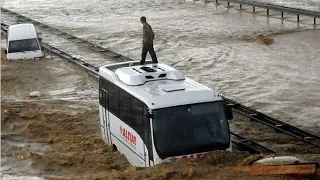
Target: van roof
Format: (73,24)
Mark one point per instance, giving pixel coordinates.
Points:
(21,31)
(168,87)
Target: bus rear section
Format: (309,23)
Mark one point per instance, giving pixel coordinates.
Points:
(155,114)
(23,42)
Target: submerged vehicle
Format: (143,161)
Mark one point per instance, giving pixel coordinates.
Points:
(153,114)
(23,42)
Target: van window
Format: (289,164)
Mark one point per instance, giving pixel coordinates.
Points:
(23,45)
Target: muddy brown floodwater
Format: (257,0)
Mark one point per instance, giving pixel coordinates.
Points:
(57,135)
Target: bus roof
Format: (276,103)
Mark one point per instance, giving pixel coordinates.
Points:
(158,87)
(21,31)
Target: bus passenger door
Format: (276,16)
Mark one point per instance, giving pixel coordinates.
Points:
(106,120)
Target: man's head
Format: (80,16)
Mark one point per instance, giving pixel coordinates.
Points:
(143,19)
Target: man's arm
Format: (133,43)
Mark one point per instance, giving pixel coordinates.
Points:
(150,35)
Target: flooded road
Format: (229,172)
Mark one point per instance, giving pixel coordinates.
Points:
(210,44)
(57,135)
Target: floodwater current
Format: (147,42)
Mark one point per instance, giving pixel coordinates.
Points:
(210,44)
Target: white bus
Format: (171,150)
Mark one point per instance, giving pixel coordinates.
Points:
(156,114)
(23,42)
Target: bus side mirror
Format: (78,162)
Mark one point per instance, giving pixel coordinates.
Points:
(5,51)
(40,40)
(229,115)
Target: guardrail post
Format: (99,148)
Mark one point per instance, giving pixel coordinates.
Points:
(268,12)
(314,21)
(282,15)
(254,9)
(228,4)
(216,1)
(240,6)
(298,18)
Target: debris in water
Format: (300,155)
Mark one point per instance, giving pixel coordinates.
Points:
(262,39)
(20,157)
(35,94)
(280,160)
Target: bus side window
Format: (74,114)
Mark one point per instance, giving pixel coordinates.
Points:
(136,115)
(103,96)
(125,105)
(114,99)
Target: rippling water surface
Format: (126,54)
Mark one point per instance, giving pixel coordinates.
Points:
(210,44)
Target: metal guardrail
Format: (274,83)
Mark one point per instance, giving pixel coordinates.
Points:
(277,8)
(274,7)
(257,116)
(247,145)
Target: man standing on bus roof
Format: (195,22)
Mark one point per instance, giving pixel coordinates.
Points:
(147,41)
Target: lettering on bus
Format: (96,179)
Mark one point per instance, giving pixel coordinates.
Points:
(201,155)
(128,136)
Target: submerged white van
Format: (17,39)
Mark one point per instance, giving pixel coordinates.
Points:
(23,42)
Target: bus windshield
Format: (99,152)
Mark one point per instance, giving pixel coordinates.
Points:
(189,129)
(23,45)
